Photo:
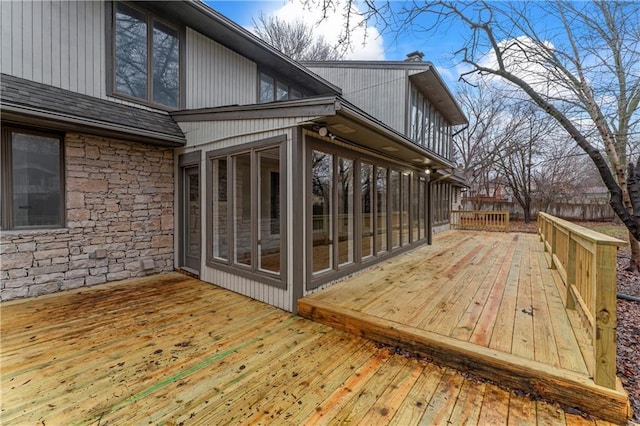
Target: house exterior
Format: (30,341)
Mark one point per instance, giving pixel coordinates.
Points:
(142,137)
(423,110)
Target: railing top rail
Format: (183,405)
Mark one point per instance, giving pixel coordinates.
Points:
(586,233)
(480,211)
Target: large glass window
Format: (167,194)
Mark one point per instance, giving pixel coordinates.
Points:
(245,210)
(322,204)
(394,188)
(381,210)
(242,209)
(345,211)
(220,227)
(155,77)
(269,210)
(32,169)
(415,211)
(367,190)
(406,199)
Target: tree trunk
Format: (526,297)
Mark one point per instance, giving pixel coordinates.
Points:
(634,261)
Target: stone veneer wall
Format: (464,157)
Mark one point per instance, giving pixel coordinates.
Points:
(119,201)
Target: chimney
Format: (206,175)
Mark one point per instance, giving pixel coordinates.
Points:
(415,56)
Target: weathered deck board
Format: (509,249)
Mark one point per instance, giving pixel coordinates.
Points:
(172,349)
(459,303)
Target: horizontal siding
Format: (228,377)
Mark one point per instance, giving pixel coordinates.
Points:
(380,92)
(217,76)
(233,132)
(58,43)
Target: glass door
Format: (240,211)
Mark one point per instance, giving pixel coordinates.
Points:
(190,218)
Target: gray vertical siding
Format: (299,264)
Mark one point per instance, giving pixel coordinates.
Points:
(63,44)
(380,92)
(55,42)
(217,76)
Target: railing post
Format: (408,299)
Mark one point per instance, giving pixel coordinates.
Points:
(506,220)
(605,316)
(571,272)
(552,244)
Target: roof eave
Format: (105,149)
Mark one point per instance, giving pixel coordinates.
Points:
(22,114)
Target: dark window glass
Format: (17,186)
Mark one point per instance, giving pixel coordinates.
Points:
(269,241)
(322,225)
(267,87)
(219,209)
(405,208)
(131,52)
(154,77)
(165,65)
(394,188)
(368,188)
(36,180)
(283,92)
(242,236)
(381,209)
(345,211)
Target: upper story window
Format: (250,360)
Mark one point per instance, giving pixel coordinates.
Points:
(273,90)
(33,177)
(147,57)
(427,127)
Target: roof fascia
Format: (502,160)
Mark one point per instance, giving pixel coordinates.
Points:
(309,107)
(354,113)
(39,117)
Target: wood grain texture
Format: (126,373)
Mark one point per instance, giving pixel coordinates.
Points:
(490,306)
(171,349)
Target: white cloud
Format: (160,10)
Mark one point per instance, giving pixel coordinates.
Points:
(366,43)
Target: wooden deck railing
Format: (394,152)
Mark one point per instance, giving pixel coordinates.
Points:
(483,220)
(586,262)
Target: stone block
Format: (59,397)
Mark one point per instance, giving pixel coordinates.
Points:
(16,273)
(45,270)
(56,277)
(70,284)
(15,261)
(75,200)
(19,282)
(87,185)
(6,248)
(115,276)
(78,215)
(50,254)
(159,241)
(97,279)
(44,288)
(14,293)
(76,273)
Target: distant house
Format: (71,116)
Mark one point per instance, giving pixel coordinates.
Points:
(146,136)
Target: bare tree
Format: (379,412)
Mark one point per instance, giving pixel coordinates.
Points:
(581,69)
(295,39)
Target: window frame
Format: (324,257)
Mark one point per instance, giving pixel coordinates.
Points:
(253,271)
(277,82)
(151,17)
(6,176)
(315,280)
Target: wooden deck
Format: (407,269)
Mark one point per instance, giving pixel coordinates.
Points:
(173,350)
(480,302)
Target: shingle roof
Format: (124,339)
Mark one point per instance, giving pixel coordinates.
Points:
(17,92)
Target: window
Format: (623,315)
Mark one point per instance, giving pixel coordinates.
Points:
(147,57)
(33,180)
(274,90)
(322,205)
(246,211)
(367,190)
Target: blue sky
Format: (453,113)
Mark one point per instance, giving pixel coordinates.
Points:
(438,48)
